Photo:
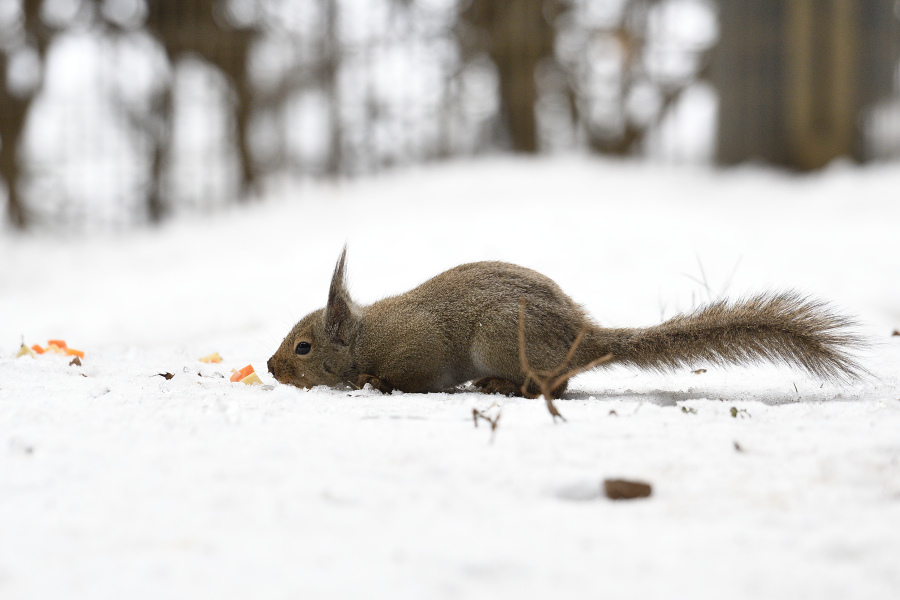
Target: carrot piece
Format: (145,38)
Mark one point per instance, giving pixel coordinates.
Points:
(37,349)
(58,343)
(74,352)
(245,372)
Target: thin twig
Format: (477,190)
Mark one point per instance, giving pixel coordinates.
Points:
(479,414)
(572,349)
(579,370)
(548,381)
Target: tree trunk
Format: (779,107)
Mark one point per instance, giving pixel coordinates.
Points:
(518,36)
(795,78)
(13,113)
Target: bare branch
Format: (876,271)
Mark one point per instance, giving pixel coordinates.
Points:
(548,381)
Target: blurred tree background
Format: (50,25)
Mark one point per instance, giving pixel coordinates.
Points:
(115,113)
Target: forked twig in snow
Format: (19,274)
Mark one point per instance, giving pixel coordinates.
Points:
(494,421)
(548,381)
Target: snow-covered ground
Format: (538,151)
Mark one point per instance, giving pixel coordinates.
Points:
(118,483)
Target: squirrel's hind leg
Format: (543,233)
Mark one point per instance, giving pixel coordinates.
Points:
(498,385)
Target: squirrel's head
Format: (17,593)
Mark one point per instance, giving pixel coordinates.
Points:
(318,350)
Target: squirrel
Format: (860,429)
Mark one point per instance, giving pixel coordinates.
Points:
(463,325)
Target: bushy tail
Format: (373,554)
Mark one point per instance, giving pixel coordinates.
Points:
(785,328)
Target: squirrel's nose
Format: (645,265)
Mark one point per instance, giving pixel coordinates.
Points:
(271,366)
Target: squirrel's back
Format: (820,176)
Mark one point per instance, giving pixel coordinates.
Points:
(463,324)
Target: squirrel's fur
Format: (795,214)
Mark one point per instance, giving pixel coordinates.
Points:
(463,325)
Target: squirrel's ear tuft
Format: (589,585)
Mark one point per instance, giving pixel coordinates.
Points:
(339,311)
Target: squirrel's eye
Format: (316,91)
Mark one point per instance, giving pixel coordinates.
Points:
(303,348)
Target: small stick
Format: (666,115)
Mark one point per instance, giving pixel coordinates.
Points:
(478,414)
(547,381)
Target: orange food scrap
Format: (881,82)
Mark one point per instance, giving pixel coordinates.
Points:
(239,375)
(57,347)
(211,358)
(246,375)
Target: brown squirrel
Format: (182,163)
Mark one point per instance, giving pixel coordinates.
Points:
(463,325)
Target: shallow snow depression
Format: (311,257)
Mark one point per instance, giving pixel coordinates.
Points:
(118,482)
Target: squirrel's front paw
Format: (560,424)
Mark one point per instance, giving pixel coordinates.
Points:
(381,386)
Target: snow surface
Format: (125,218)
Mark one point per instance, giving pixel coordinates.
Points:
(118,483)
